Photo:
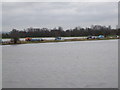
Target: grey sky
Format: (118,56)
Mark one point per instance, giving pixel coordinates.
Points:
(21,15)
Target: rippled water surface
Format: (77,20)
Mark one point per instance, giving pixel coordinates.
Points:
(80,64)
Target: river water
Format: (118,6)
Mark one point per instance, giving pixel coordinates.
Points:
(80,64)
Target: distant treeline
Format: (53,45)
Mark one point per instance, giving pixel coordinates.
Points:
(59,32)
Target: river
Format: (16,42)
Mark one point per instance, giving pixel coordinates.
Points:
(80,64)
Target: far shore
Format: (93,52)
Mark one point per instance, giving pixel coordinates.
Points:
(49,41)
(41,37)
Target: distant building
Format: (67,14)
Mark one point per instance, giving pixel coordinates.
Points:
(117,26)
(109,27)
(99,27)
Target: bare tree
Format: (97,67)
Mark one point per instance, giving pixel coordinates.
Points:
(14,35)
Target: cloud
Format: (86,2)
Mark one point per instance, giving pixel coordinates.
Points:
(0,17)
(52,14)
(60,0)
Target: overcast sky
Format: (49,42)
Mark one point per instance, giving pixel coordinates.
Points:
(21,15)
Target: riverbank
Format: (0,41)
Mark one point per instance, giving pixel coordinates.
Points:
(49,41)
